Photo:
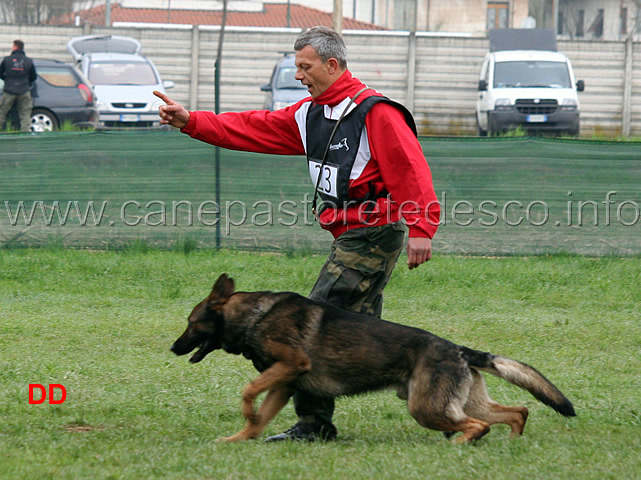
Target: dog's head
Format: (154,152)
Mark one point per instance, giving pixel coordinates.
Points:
(206,323)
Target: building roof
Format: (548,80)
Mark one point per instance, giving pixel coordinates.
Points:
(272,15)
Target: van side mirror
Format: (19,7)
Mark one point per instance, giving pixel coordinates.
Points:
(580,86)
(482,85)
(266,88)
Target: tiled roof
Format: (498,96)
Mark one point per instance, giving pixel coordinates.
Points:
(272,15)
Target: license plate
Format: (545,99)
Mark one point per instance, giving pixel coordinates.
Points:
(129,118)
(537,118)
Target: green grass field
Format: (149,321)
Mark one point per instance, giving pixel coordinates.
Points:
(101,323)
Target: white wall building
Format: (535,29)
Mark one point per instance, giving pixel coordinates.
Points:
(573,19)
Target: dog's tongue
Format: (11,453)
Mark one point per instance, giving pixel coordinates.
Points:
(196,357)
(200,353)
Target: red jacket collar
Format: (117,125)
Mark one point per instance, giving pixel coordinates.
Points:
(345,86)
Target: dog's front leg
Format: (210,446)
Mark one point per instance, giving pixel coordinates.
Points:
(275,379)
(274,402)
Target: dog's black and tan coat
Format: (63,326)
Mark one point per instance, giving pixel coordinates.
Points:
(300,344)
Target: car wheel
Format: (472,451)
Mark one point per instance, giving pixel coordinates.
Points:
(481,132)
(574,132)
(43,121)
(491,129)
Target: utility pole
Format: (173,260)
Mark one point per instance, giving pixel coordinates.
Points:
(338,16)
(108,13)
(289,13)
(217,66)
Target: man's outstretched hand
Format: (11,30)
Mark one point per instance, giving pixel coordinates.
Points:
(172,113)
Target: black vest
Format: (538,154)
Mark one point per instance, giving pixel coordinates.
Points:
(335,171)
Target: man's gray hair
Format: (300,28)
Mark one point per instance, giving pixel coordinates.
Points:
(326,42)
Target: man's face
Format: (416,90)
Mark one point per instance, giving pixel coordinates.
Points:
(312,72)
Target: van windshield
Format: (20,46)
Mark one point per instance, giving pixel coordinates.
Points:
(122,73)
(531,74)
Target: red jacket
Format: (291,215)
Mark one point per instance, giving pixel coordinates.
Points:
(396,161)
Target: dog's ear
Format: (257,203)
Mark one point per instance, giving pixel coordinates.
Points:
(223,287)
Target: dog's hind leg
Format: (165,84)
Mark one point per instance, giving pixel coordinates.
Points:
(515,417)
(480,405)
(436,401)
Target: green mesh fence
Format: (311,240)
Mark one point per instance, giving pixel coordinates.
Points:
(505,196)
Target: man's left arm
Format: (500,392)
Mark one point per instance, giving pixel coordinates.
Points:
(406,176)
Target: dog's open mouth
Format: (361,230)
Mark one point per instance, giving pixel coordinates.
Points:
(202,352)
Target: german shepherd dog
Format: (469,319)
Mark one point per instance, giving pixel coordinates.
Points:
(298,344)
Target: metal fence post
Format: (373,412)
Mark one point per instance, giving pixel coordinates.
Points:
(193,81)
(627,87)
(411,72)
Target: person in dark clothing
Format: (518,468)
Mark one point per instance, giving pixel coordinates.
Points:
(19,73)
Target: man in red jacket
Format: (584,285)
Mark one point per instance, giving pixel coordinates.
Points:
(369,172)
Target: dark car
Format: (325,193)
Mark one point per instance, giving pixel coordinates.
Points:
(283,89)
(61,96)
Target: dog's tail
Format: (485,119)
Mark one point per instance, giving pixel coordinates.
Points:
(521,375)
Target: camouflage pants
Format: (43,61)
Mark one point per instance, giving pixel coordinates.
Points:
(24,104)
(357,270)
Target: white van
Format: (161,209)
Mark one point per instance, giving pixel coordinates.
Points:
(526,83)
(123,79)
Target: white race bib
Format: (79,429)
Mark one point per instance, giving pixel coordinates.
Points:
(329,176)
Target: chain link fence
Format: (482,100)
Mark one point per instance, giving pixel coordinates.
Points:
(499,196)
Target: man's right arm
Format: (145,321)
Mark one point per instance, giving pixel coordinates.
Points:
(258,131)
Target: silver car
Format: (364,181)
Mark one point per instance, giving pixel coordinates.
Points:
(283,89)
(123,79)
